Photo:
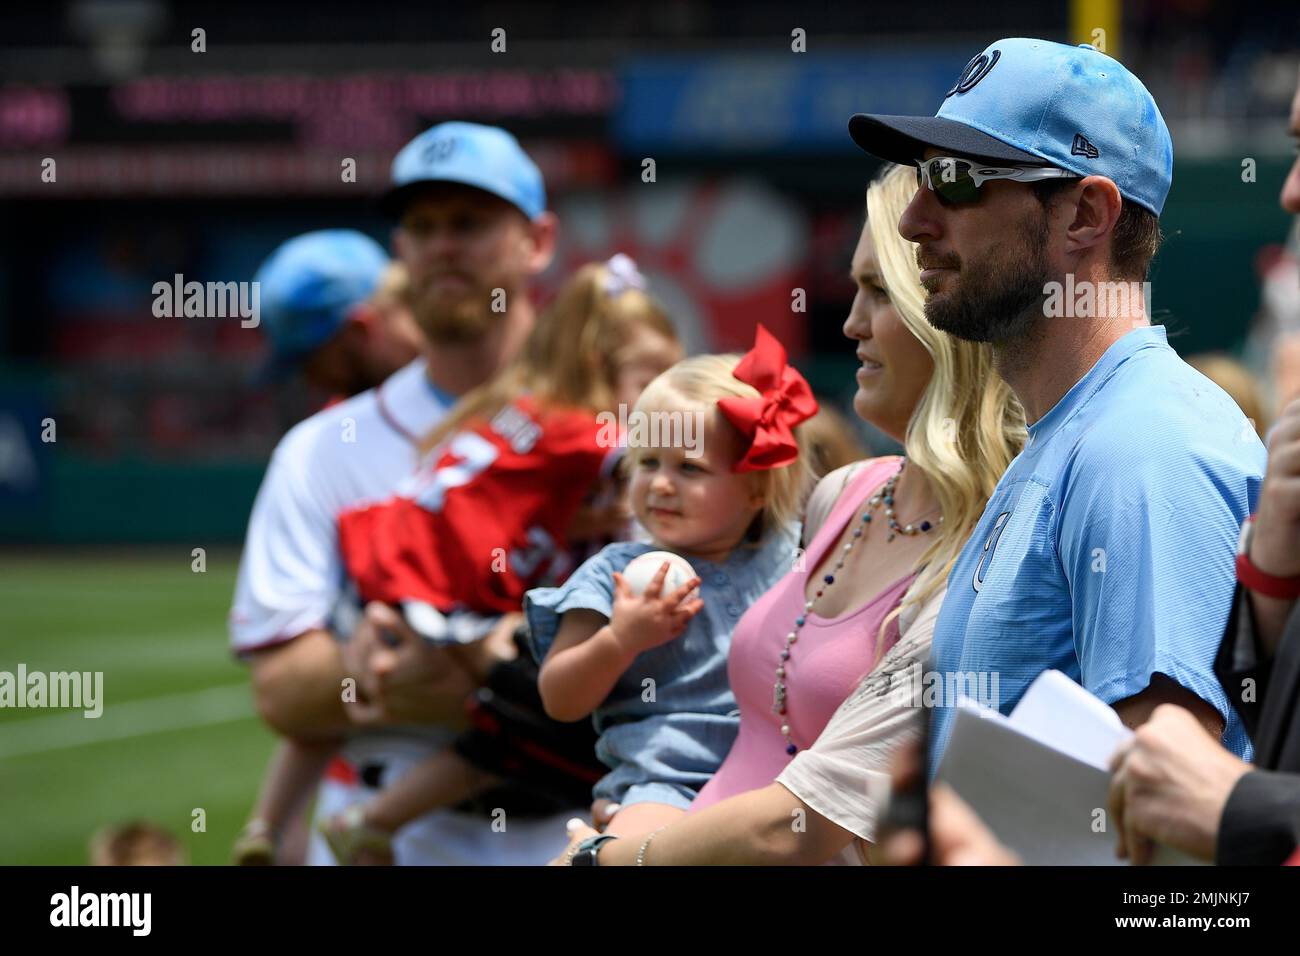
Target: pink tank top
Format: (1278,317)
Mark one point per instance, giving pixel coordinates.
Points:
(828,661)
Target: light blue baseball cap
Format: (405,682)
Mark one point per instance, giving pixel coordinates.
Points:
(308,285)
(1035,102)
(485,157)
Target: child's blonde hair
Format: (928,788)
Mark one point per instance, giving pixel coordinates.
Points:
(700,381)
(571,357)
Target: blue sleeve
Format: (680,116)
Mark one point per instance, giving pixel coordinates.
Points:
(590,587)
(1147,538)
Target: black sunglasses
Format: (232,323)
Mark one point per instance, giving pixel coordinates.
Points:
(957,181)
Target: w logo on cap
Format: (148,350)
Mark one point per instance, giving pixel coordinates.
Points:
(975,70)
(1081,147)
(440,149)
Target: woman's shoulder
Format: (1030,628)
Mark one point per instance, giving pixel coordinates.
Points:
(835,483)
(837,478)
(831,487)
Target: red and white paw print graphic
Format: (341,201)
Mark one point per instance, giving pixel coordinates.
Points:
(720,256)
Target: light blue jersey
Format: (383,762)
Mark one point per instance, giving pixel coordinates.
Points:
(1107,550)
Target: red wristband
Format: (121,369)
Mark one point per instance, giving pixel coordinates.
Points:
(1284,589)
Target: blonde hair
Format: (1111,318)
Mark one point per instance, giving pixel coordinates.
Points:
(968,424)
(700,381)
(571,357)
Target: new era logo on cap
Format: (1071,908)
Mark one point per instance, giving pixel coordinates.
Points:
(1081,147)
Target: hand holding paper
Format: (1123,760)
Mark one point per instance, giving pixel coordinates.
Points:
(1040,778)
(1171,782)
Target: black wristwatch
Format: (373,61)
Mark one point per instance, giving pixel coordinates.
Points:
(585,854)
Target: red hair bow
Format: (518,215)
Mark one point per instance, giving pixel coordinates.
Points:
(768,422)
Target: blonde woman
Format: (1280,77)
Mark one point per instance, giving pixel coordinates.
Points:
(862,601)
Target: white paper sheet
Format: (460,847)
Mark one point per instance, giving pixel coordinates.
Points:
(1039,778)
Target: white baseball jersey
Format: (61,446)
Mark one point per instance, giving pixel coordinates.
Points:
(352,453)
(291,574)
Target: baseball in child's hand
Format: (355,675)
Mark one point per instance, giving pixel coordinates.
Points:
(640,571)
(658,613)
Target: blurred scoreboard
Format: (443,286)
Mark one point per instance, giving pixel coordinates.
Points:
(272,134)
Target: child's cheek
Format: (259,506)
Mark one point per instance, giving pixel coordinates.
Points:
(636,491)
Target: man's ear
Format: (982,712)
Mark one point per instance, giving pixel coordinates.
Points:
(359,326)
(542,234)
(1096,210)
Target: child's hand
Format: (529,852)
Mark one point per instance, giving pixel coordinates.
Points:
(648,620)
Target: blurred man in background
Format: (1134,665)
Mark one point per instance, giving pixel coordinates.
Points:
(473,230)
(333,308)
(334,312)
(1286,358)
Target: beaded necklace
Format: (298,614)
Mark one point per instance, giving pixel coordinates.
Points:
(884,496)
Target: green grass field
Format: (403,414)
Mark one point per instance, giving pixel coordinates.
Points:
(177,733)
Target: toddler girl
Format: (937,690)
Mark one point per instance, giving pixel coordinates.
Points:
(652,667)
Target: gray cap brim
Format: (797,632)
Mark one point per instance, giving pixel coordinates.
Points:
(904,139)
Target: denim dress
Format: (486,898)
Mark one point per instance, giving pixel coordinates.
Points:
(668,723)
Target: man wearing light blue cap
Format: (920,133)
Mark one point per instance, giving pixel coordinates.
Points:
(1107,549)
(472,231)
(331,306)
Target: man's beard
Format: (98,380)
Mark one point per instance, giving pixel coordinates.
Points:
(453,319)
(1000,297)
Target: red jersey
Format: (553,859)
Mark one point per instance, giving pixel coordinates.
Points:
(484,517)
